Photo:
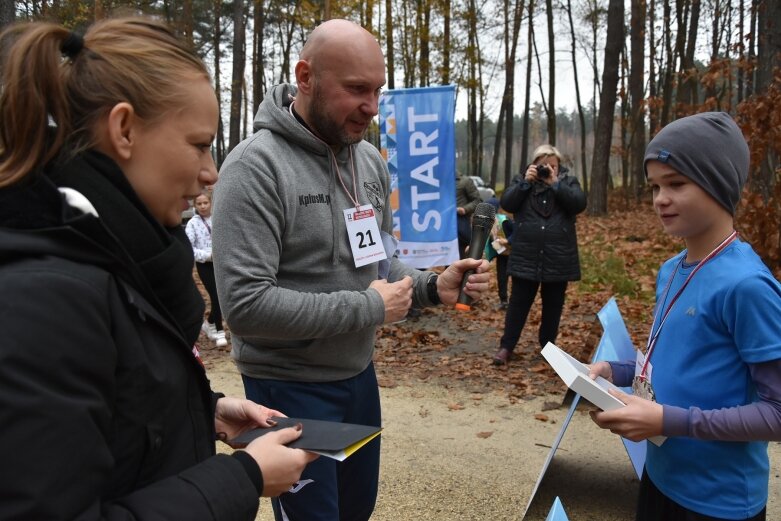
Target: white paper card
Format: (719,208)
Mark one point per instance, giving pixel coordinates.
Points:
(365,240)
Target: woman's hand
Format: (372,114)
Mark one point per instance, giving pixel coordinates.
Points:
(553,177)
(235,416)
(531,173)
(281,466)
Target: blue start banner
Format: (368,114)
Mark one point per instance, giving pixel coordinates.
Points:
(417,139)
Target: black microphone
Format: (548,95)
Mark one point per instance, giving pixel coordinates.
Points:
(482,222)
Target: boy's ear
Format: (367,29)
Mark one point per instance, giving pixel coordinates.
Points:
(121,131)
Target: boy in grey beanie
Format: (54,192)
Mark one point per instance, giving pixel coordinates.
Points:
(709,149)
(710,377)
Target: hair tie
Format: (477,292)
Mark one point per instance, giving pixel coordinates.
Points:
(72,45)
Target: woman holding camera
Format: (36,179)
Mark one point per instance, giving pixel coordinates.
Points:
(544,256)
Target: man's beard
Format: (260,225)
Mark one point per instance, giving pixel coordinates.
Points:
(325,126)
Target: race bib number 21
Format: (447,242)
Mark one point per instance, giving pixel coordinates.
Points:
(364,235)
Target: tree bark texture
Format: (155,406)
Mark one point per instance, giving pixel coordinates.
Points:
(600,169)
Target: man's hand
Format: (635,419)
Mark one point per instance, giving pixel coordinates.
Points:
(397,297)
(449,281)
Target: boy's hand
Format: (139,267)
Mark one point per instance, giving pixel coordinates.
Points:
(639,420)
(602,369)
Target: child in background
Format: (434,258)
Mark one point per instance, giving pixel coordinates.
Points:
(710,379)
(498,247)
(199,231)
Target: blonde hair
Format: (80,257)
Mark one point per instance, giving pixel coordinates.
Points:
(48,102)
(546,151)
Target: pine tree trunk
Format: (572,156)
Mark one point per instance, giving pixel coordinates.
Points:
(527,94)
(389,43)
(446,42)
(768,63)
(510,109)
(239,57)
(217,36)
(581,115)
(258,59)
(551,75)
(600,169)
(637,94)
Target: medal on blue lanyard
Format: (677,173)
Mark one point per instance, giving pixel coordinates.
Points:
(641,384)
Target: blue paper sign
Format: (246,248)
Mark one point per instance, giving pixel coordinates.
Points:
(616,345)
(557,512)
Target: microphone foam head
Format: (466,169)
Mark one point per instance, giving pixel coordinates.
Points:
(484,215)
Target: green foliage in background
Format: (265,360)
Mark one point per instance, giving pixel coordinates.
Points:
(605,272)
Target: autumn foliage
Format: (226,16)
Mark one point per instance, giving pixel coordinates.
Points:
(759,217)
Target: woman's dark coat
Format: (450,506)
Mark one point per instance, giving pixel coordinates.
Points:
(105,411)
(544,243)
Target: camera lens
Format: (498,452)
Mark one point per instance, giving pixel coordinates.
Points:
(543,172)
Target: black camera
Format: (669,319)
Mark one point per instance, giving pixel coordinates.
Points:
(543,172)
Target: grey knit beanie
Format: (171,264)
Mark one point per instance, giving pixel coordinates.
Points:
(708,148)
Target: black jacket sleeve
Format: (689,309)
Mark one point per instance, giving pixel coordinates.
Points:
(514,196)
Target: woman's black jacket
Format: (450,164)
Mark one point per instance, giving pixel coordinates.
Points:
(544,243)
(105,411)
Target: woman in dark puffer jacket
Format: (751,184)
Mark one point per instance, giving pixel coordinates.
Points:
(544,256)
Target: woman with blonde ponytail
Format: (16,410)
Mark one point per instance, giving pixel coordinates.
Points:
(106,409)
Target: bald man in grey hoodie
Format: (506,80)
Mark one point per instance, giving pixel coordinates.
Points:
(302,314)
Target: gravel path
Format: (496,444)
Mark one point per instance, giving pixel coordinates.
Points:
(452,454)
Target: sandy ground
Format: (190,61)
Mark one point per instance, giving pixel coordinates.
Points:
(448,454)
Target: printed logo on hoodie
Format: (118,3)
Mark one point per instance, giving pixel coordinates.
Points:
(307,199)
(375,194)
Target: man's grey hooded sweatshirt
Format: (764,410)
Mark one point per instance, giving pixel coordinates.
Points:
(297,306)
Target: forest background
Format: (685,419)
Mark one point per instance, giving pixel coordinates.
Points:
(648,62)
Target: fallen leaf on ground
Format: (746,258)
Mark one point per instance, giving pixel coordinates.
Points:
(387,383)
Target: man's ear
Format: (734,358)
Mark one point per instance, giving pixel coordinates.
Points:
(121,130)
(304,78)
